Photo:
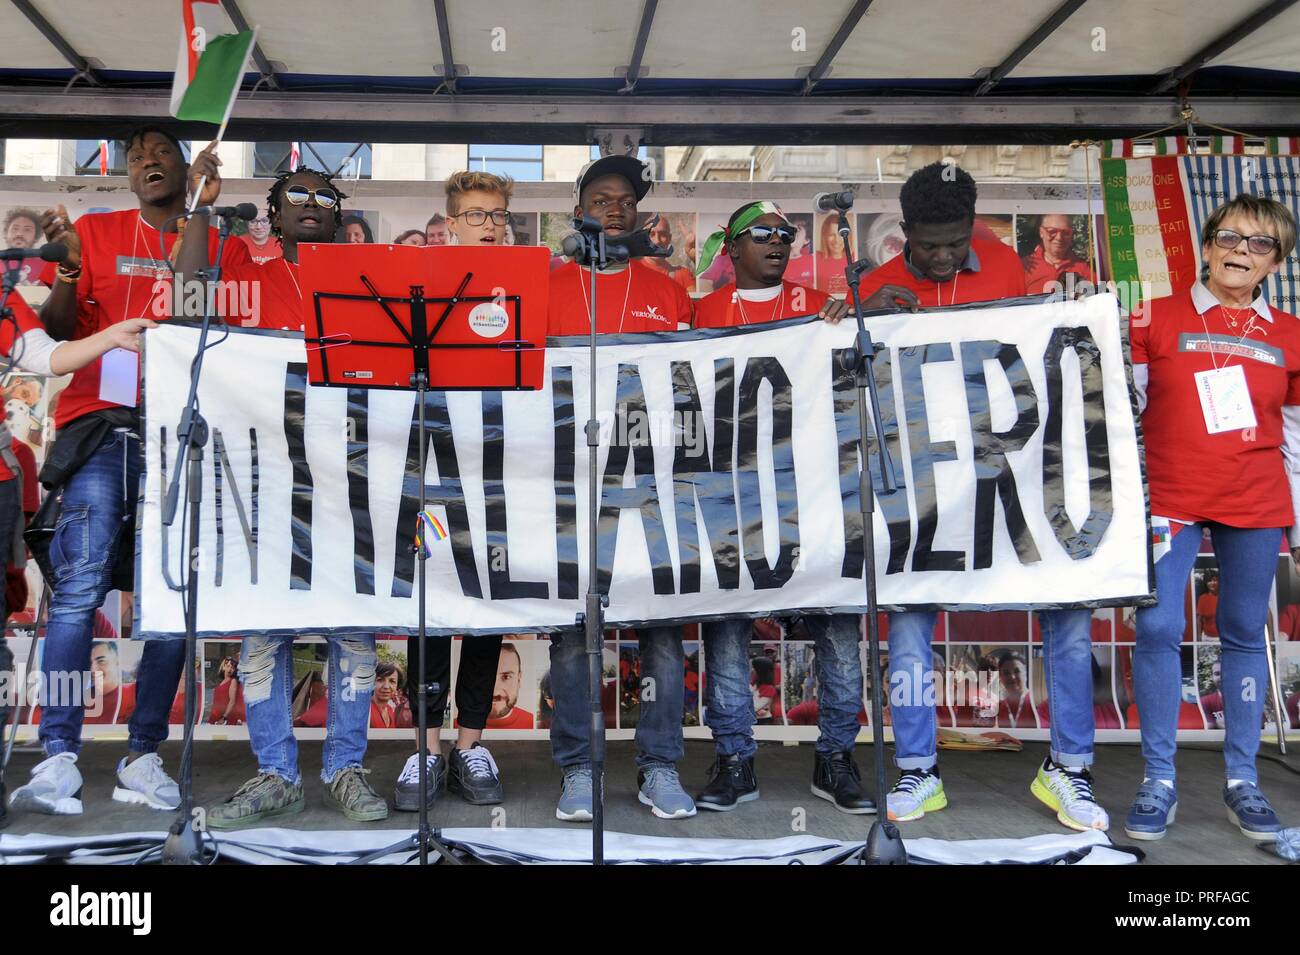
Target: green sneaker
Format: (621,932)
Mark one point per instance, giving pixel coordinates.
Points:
(351,792)
(917,792)
(263,796)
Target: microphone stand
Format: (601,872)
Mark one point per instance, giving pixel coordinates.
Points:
(183,844)
(593,251)
(884,845)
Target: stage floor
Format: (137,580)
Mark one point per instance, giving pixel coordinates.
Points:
(988,796)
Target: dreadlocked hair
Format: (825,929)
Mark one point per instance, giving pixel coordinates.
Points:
(276,191)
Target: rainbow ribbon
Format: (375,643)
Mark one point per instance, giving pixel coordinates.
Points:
(428,529)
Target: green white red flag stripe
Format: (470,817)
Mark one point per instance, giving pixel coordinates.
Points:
(1219,146)
(210,63)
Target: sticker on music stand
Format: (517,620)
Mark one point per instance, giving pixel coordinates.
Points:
(488,320)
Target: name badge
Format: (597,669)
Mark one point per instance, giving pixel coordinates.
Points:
(119,377)
(1225,399)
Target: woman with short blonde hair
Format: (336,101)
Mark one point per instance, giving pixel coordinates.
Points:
(1217,372)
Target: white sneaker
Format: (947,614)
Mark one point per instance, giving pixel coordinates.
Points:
(55,787)
(145,782)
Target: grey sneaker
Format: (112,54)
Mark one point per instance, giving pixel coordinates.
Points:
(55,787)
(575,797)
(473,773)
(407,795)
(263,796)
(661,790)
(145,783)
(351,793)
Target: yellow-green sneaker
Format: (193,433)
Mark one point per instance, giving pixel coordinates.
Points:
(917,792)
(1069,793)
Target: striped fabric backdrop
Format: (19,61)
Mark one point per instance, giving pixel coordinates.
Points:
(1155,208)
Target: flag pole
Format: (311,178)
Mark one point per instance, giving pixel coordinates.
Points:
(230,106)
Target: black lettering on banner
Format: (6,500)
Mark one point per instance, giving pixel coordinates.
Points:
(220,463)
(712,483)
(925,454)
(994,478)
(295,412)
(363,532)
(448,492)
(219,559)
(758,370)
(643,497)
(566,503)
(1082,542)
(895,507)
(500,585)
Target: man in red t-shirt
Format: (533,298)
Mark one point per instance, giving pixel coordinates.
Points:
(1053,257)
(942,265)
(629,298)
(757,241)
(303,206)
(114,271)
(506,713)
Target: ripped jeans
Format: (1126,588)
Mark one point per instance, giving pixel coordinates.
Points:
(266,671)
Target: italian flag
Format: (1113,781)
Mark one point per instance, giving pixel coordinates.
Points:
(209,65)
(1148,229)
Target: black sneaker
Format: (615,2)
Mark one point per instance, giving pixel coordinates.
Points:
(407,795)
(731,782)
(836,779)
(473,774)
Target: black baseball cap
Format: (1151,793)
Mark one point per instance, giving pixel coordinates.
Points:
(629,167)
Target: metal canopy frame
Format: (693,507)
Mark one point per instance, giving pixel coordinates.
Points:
(633,72)
(78,62)
(823,64)
(1222,44)
(264,66)
(660,120)
(1031,43)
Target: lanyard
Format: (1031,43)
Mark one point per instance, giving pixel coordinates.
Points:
(938,291)
(776,311)
(626,295)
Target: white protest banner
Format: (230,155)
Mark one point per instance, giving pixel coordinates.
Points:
(729,479)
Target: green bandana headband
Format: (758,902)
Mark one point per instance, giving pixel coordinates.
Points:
(716,242)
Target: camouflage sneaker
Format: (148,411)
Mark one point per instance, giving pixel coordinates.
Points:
(263,796)
(351,792)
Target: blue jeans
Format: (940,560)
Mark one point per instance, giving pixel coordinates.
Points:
(659,726)
(729,703)
(1247,565)
(1067,645)
(97,520)
(266,671)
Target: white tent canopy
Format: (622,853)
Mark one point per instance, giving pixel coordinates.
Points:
(882,66)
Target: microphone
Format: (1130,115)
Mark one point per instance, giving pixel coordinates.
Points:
(833,201)
(586,240)
(50,252)
(245,210)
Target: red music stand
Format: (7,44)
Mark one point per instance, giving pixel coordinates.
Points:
(470,318)
(376,325)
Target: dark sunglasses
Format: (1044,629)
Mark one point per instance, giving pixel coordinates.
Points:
(325,198)
(1259,244)
(762,234)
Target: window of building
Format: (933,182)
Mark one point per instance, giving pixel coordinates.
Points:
(344,160)
(86,158)
(520,163)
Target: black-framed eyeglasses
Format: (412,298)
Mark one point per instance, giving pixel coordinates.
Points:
(1259,244)
(762,234)
(479,216)
(325,197)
